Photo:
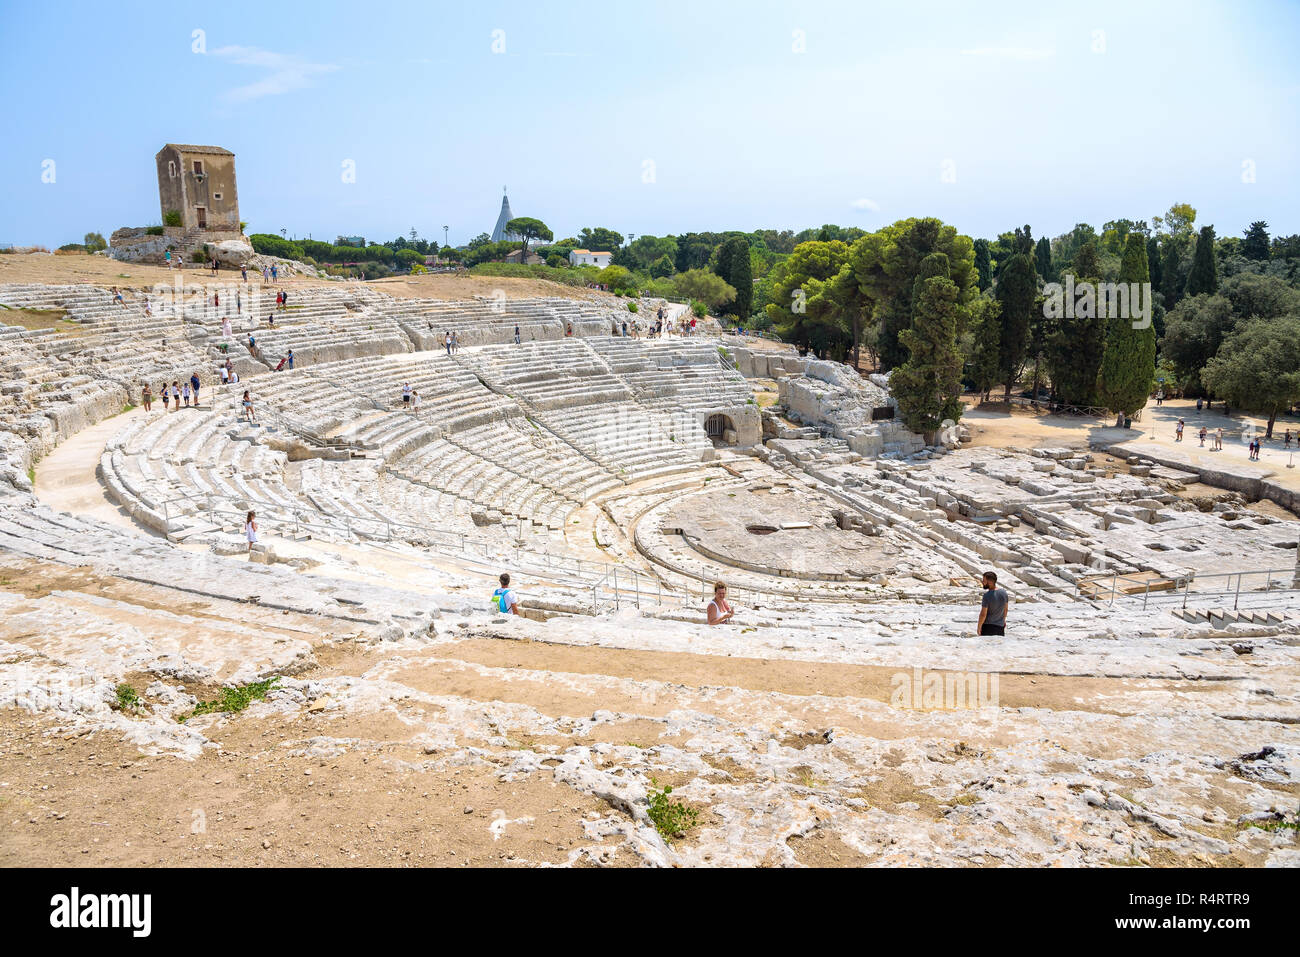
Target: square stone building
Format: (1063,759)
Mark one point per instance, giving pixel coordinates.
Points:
(199,183)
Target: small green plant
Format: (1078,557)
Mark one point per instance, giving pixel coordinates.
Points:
(670,818)
(127,699)
(700,308)
(153,230)
(236,699)
(31,474)
(632,307)
(172,217)
(1282,824)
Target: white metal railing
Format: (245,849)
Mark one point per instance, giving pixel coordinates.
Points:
(1263,582)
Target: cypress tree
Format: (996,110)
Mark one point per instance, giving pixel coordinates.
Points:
(987,327)
(1017,292)
(1128,366)
(928,385)
(1076,348)
(733,265)
(1043,259)
(983,266)
(1171,271)
(1203,277)
(1153,262)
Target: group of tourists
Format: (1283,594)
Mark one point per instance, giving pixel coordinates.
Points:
(451,340)
(178,393)
(410,398)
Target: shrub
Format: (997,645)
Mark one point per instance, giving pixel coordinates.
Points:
(153,230)
(699,308)
(234,700)
(632,307)
(172,217)
(670,818)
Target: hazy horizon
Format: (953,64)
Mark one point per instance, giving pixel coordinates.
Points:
(662,118)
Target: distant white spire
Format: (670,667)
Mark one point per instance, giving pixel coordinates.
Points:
(499,232)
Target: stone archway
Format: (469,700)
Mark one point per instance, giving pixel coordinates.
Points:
(718,425)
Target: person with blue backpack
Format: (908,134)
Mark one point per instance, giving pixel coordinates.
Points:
(504,599)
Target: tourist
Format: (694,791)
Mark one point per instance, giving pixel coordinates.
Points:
(148,308)
(117,297)
(167,258)
(1160,398)
(275,274)
(247,404)
(406,395)
(243,271)
(719,611)
(1218,440)
(225,329)
(1204,433)
(446,341)
(1178,431)
(252,345)
(270,320)
(291,359)
(185,391)
(225,376)
(195,382)
(165,396)
(1254,450)
(250,530)
(284,299)
(516,335)
(216,300)
(239,303)
(455,341)
(176,395)
(415,400)
(266,274)
(146,396)
(234,376)
(505,600)
(993,607)
(1286,439)
(1198,404)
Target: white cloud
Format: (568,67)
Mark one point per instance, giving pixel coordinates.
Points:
(866,205)
(1012,53)
(287,72)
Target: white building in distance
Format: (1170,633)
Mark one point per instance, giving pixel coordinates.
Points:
(585,257)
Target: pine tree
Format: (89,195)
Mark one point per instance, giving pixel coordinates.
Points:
(1129,363)
(928,385)
(1017,292)
(1255,245)
(983,266)
(1043,259)
(1203,277)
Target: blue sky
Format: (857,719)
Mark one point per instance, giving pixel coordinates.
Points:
(1036,117)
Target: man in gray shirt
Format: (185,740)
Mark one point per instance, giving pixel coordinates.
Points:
(993,609)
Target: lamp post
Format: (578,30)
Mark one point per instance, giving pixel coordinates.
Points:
(445,240)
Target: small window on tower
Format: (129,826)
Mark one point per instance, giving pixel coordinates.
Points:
(216,195)
(198,166)
(171,168)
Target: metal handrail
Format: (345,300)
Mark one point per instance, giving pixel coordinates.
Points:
(1287,582)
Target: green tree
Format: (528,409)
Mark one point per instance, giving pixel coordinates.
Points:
(1258,367)
(528,229)
(1017,291)
(1129,361)
(986,324)
(928,385)
(1203,277)
(1255,245)
(662,267)
(1074,351)
(1153,262)
(600,239)
(983,264)
(886,264)
(706,286)
(1043,260)
(734,266)
(94,242)
(798,309)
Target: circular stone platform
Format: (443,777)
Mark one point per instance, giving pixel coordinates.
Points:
(780,531)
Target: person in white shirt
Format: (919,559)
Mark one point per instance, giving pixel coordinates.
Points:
(506,600)
(719,611)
